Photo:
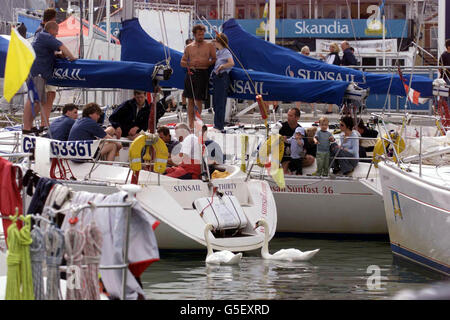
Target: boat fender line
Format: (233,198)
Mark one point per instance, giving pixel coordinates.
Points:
(262,106)
(270,147)
(161,152)
(244,147)
(382,145)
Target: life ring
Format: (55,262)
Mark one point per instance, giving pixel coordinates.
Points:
(161,152)
(270,146)
(262,106)
(381,146)
(213,14)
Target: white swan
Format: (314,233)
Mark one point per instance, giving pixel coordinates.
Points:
(283,254)
(219,257)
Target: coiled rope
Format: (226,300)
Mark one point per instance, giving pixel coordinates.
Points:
(92,255)
(54,244)
(74,241)
(19,285)
(37,254)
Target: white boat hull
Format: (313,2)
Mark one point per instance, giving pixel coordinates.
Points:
(352,206)
(418,214)
(170,200)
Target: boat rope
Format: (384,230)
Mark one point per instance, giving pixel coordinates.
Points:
(37,253)
(415,55)
(19,284)
(92,254)
(164,43)
(179,22)
(164,34)
(74,243)
(54,244)
(349,10)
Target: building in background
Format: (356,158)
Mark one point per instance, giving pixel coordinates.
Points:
(299,22)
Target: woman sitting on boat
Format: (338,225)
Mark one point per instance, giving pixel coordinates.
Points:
(348,149)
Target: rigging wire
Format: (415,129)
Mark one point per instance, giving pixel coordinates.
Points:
(415,54)
(354,35)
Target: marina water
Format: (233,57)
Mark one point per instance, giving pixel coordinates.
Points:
(343,269)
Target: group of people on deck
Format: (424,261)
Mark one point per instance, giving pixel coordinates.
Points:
(304,146)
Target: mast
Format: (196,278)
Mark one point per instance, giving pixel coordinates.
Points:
(108,27)
(272,20)
(444,5)
(81,53)
(91,18)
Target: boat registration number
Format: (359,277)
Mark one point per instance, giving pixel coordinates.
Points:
(65,149)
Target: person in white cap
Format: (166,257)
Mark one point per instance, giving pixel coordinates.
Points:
(297,151)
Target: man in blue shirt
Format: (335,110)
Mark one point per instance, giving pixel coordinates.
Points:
(45,45)
(348,59)
(49,15)
(87,128)
(60,127)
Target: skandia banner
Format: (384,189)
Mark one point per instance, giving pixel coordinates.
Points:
(257,54)
(137,45)
(317,28)
(103,74)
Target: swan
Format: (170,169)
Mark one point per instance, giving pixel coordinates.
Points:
(219,257)
(283,254)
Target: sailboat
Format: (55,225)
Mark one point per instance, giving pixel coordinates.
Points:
(327,205)
(416,189)
(182,207)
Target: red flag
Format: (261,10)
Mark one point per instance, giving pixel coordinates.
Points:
(413,95)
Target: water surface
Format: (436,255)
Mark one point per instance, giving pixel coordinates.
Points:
(338,271)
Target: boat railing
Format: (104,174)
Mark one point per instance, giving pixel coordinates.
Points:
(128,203)
(75,210)
(407,119)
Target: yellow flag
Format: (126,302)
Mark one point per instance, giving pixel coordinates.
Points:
(278,176)
(19,60)
(266,9)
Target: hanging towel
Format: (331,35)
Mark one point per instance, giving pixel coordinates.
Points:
(19,285)
(142,249)
(43,188)
(10,197)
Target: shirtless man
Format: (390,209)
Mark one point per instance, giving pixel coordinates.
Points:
(197,57)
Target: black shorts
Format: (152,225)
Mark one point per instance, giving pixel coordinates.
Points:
(200,81)
(296,165)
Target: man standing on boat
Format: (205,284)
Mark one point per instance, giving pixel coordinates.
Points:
(444,60)
(49,15)
(197,58)
(45,45)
